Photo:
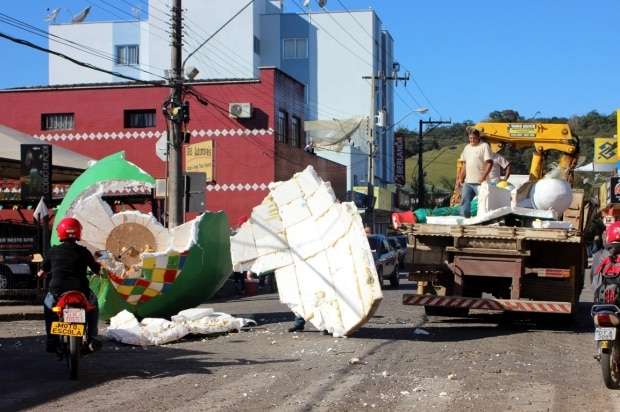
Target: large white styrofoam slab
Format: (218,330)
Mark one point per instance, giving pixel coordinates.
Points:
(318,249)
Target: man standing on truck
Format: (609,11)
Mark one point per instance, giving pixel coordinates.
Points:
(478,161)
(500,170)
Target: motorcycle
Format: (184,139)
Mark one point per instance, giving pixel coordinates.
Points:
(71,327)
(607,321)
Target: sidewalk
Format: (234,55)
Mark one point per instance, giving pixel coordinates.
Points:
(10,313)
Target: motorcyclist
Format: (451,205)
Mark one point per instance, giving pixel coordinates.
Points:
(606,263)
(67,264)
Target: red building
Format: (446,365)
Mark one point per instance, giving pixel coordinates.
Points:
(248,153)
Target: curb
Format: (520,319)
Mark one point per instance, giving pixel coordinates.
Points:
(10,317)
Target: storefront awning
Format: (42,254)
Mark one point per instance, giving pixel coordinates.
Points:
(66,164)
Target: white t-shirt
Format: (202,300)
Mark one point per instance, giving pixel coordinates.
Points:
(499,163)
(475,158)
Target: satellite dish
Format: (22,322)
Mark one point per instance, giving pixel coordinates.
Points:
(136,12)
(81,16)
(52,15)
(322,3)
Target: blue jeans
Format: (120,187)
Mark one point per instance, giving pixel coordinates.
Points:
(299,322)
(468,192)
(92,317)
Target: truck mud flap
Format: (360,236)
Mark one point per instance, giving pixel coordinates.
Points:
(512,305)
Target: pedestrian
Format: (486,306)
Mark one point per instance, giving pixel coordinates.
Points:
(299,325)
(478,162)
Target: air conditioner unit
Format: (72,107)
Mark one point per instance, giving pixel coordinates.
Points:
(240,110)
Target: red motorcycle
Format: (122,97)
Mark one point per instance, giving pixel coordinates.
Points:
(607,321)
(71,327)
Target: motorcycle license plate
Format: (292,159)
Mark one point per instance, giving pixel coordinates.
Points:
(67,329)
(605,334)
(74,315)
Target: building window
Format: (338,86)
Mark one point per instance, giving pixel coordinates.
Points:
(256,45)
(139,118)
(295,131)
(295,48)
(128,55)
(282,126)
(57,121)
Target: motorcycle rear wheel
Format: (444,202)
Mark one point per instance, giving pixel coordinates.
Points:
(610,365)
(75,343)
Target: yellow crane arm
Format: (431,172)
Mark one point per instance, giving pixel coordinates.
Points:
(543,137)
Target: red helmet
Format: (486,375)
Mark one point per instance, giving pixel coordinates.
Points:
(612,235)
(69,228)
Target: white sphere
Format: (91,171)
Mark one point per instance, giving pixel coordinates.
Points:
(553,194)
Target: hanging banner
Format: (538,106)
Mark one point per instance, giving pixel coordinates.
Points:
(399,159)
(605,150)
(199,158)
(36,173)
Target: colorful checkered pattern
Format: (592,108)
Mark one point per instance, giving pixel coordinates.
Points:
(156,277)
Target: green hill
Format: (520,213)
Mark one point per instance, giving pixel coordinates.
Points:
(439,165)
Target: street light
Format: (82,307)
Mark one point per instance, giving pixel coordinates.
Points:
(421,188)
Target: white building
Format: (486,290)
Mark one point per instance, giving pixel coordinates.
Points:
(329,52)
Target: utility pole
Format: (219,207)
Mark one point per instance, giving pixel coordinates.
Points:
(370,189)
(421,188)
(381,76)
(175,184)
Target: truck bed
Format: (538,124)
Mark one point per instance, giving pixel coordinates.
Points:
(494,232)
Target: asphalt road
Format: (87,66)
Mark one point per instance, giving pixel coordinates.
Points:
(448,364)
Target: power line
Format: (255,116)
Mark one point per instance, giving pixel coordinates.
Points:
(330,35)
(78,62)
(219,30)
(227,56)
(426,98)
(413,77)
(66,42)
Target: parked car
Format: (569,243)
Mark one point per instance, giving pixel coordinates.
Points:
(399,244)
(386,259)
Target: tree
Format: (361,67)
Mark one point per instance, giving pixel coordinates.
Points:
(505,116)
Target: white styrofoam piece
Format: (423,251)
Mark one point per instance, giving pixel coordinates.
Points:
(445,220)
(552,194)
(551,224)
(321,200)
(294,212)
(125,328)
(308,181)
(491,215)
(491,197)
(541,214)
(286,192)
(266,215)
(333,225)
(325,271)
(518,180)
(304,239)
(242,245)
(288,288)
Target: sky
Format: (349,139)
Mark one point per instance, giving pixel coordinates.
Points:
(468,57)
